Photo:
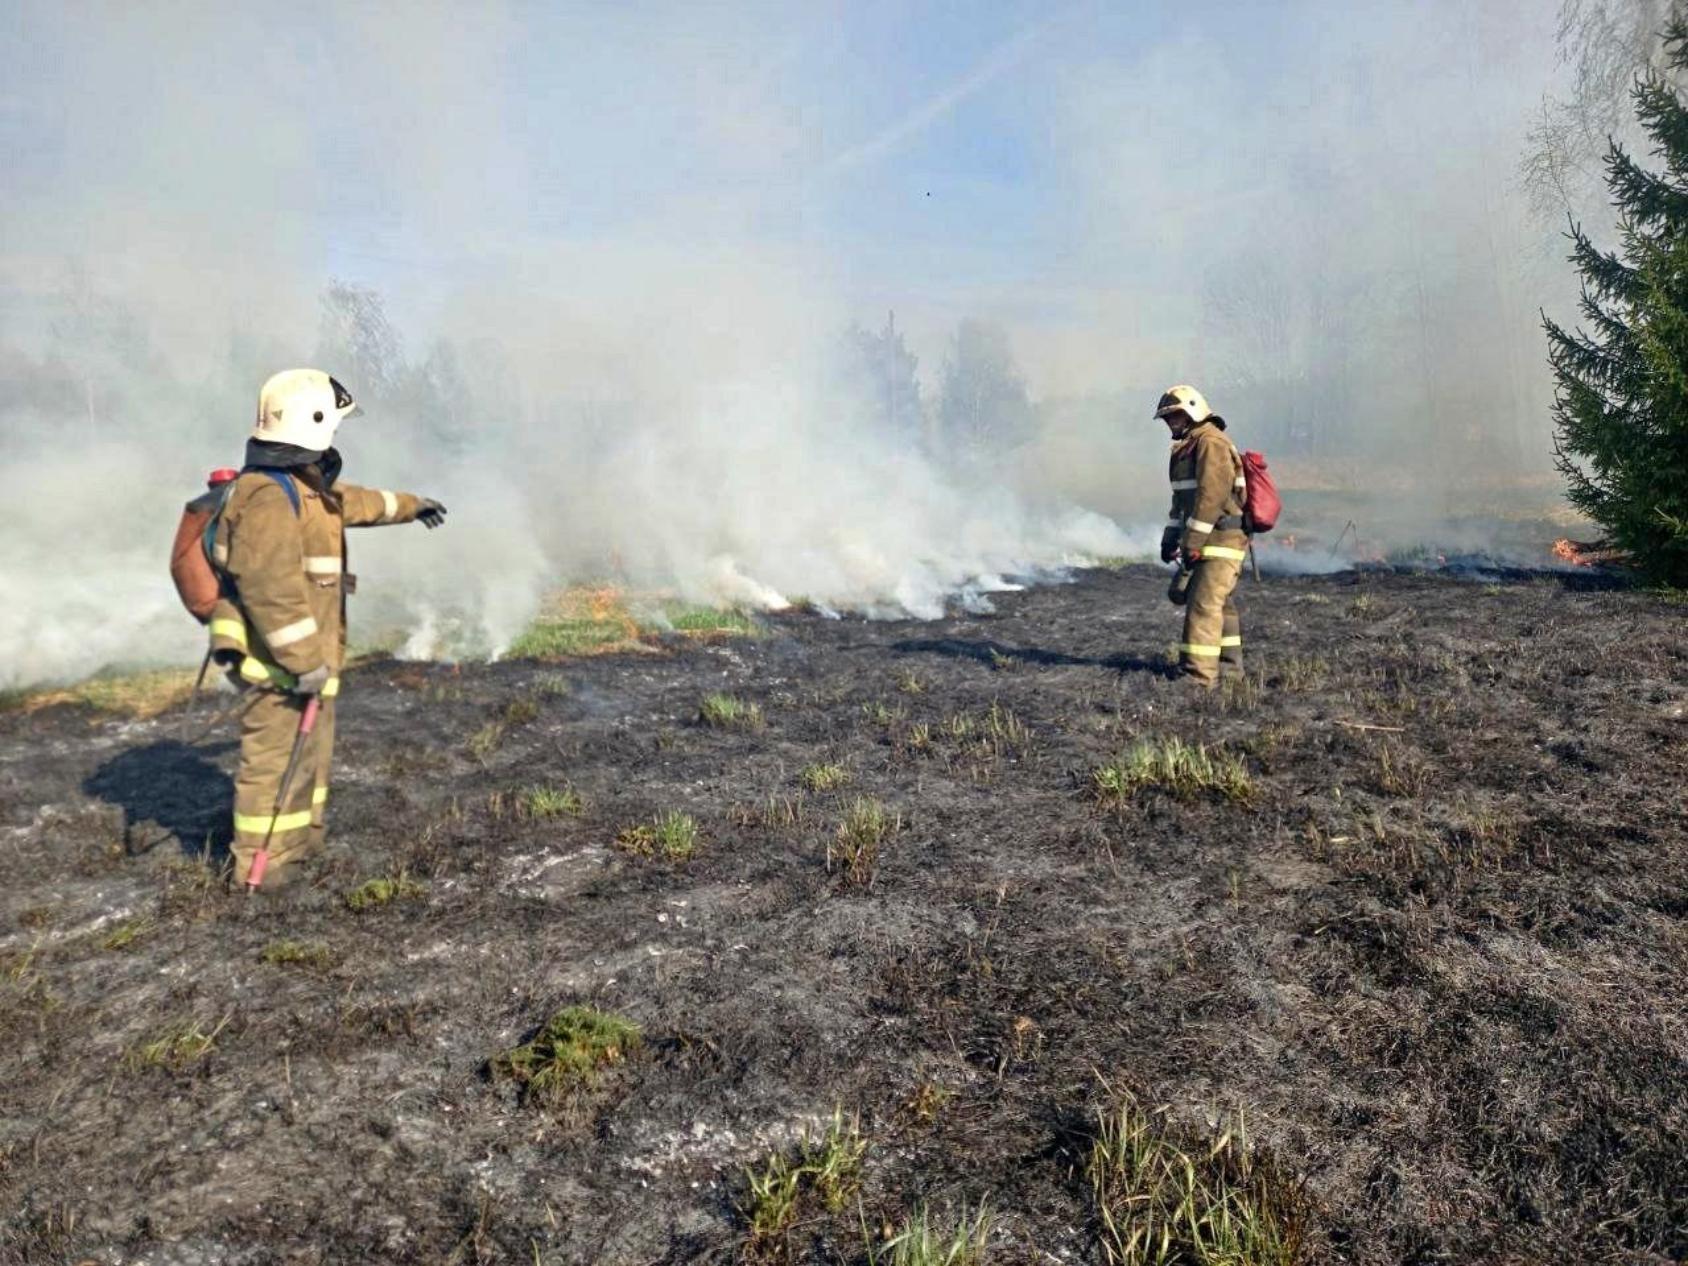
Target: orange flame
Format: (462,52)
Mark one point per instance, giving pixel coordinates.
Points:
(1566,550)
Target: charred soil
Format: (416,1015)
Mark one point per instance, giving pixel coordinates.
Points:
(1427,933)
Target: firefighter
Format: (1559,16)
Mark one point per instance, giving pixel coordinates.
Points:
(279,626)
(1205,534)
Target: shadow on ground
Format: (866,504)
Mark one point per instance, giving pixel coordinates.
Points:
(168,789)
(987,652)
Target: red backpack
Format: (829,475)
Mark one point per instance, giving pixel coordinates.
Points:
(1261,503)
(198,580)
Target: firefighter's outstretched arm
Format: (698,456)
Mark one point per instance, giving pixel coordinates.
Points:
(266,563)
(1214,479)
(376,507)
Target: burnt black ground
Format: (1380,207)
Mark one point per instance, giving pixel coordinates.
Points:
(1442,966)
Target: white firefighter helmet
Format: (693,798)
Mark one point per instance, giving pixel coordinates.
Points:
(302,407)
(1186,400)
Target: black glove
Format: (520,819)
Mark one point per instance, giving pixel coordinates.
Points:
(431,513)
(311,683)
(1169,545)
(1178,592)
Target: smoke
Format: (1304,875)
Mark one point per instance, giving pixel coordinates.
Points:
(617,249)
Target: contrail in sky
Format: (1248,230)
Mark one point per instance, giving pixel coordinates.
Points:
(1005,56)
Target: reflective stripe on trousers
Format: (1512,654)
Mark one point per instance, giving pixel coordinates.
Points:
(269,726)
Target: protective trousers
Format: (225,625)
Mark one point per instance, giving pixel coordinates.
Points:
(1213,632)
(269,725)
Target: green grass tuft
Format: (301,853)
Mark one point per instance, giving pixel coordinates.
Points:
(685,618)
(373,893)
(922,1241)
(1171,765)
(826,1170)
(177,1048)
(671,835)
(313,954)
(824,776)
(565,636)
(855,847)
(911,682)
(729,712)
(126,933)
(551,802)
(570,1053)
(1213,1204)
(487,740)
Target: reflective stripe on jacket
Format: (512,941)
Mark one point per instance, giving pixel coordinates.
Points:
(283,611)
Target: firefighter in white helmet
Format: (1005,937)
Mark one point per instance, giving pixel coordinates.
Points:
(280,624)
(1205,534)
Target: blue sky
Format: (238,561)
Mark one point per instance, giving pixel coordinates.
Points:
(1071,170)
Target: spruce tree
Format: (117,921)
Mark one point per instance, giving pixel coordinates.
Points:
(1621,405)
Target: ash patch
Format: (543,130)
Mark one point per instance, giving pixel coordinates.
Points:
(1437,956)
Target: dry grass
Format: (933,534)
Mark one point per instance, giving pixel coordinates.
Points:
(776,811)
(570,1053)
(911,682)
(824,776)
(1174,766)
(125,935)
(671,835)
(855,846)
(878,712)
(1211,1203)
(177,1048)
(1301,673)
(312,954)
(1401,772)
(136,694)
(487,740)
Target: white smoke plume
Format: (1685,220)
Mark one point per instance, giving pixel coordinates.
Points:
(618,247)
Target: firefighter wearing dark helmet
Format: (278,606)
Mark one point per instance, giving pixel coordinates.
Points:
(279,626)
(1205,533)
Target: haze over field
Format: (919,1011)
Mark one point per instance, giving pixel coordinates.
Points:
(617,251)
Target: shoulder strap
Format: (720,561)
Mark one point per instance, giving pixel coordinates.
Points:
(208,538)
(287,485)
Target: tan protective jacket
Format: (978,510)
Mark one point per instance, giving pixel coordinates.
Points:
(1207,494)
(284,609)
